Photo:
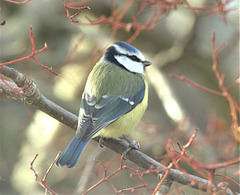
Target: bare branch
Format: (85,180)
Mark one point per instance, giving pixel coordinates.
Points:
(32,96)
(16,2)
(32,55)
(43,182)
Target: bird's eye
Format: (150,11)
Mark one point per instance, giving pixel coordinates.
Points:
(134,58)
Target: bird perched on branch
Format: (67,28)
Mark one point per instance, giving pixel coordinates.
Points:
(114,99)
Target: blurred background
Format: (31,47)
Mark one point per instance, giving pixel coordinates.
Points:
(180,44)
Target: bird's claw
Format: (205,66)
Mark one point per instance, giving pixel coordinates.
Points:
(101,141)
(132,145)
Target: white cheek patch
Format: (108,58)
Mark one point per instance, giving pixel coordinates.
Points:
(132,66)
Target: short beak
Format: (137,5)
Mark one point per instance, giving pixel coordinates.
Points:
(146,63)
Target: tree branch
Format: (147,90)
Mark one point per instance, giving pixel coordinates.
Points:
(31,95)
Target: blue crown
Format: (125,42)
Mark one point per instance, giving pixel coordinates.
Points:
(127,46)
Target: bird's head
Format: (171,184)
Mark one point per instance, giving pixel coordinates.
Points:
(126,56)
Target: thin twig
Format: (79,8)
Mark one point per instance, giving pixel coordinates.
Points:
(16,2)
(220,77)
(32,55)
(192,83)
(43,181)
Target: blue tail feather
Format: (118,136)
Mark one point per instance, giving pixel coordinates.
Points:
(71,154)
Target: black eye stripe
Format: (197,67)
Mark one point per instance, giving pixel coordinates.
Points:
(133,57)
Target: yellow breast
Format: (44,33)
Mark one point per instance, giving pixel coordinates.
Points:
(125,124)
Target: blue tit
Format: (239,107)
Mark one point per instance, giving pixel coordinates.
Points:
(114,99)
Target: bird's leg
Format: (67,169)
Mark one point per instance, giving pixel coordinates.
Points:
(101,141)
(132,145)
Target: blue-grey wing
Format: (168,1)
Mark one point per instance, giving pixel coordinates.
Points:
(94,116)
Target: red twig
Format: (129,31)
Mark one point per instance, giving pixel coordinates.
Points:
(74,8)
(234,107)
(189,142)
(148,25)
(199,167)
(234,84)
(107,179)
(192,8)
(221,8)
(195,163)
(117,16)
(160,9)
(32,55)
(163,178)
(192,83)
(16,2)
(42,182)
(226,94)
(230,177)
(175,159)
(223,164)
(14,90)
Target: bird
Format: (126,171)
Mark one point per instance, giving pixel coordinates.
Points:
(114,100)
